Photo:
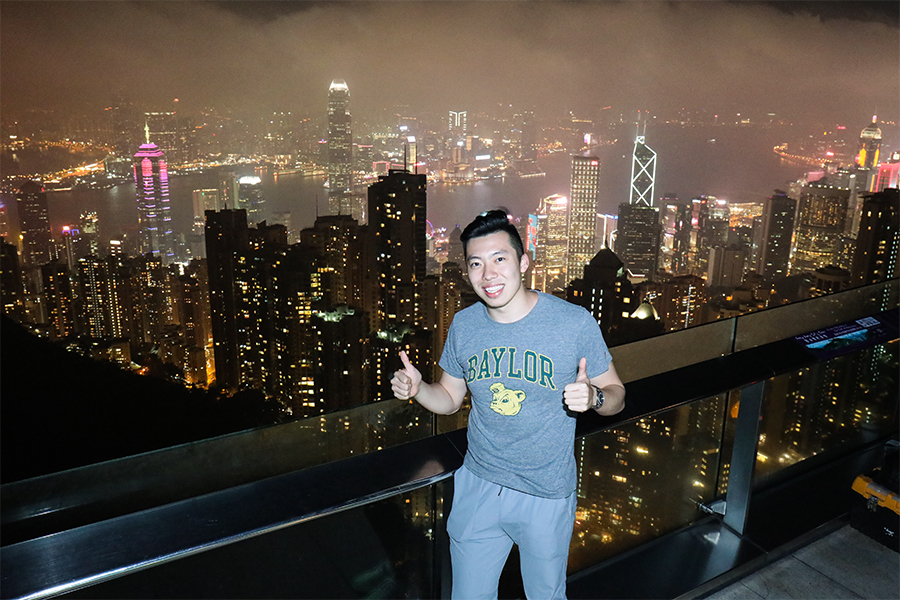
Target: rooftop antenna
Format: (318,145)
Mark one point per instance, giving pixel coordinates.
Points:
(147,132)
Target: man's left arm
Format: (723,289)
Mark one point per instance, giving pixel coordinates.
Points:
(613,391)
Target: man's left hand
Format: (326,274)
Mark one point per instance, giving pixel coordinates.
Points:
(579,395)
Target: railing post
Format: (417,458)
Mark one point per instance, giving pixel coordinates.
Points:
(743,456)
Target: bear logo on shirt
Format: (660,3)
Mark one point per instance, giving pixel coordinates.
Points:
(506,402)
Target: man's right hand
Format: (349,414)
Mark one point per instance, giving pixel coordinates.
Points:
(405,383)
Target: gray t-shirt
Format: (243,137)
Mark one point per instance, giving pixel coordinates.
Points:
(520,434)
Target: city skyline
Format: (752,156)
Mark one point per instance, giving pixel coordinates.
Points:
(765,57)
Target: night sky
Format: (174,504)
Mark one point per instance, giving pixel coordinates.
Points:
(827,61)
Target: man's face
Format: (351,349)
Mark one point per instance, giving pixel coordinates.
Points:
(494,271)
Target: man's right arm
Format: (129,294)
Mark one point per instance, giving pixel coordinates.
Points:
(443,398)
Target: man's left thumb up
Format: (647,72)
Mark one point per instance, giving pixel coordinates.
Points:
(582,371)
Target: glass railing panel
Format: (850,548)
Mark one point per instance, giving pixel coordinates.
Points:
(673,350)
(832,405)
(645,478)
(154,478)
(756,329)
(385,549)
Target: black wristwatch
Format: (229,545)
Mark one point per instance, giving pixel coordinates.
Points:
(598,401)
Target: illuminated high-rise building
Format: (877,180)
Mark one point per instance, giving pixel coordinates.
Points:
(669,226)
(204,200)
(151,180)
(338,241)
(12,293)
(92,284)
(888,174)
(4,221)
(679,301)
(821,220)
(713,227)
(604,291)
(249,302)
(643,173)
(638,237)
(878,243)
(251,199)
(397,205)
(726,266)
(869,145)
(229,190)
(226,236)
(37,242)
(777,230)
(59,299)
(73,246)
(90,228)
(340,149)
(686,239)
(341,371)
(412,154)
(583,201)
(457,122)
(551,243)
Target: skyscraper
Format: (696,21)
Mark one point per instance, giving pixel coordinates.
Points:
(821,218)
(338,240)
(340,149)
(669,226)
(250,198)
(878,244)
(90,229)
(604,291)
(869,145)
(457,122)
(397,204)
(726,266)
(582,214)
(34,225)
(226,236)
(204,200)
(151,180)
(12,293)
(638,236)
(643,173)
(888,174)
(777,229)
(637,240)
(551,243)
(59,299)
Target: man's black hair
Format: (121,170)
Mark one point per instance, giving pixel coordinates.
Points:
(490,222)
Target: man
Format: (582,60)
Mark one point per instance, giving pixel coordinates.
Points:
(531,361)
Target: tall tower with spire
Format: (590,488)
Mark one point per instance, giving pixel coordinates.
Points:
(340,149)
(638,235)
(643,172)
(151,180)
